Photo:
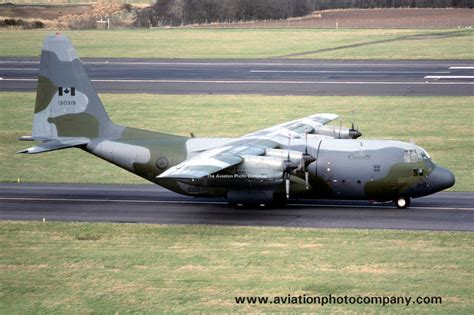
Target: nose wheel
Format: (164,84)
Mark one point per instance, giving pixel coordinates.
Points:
(402,202)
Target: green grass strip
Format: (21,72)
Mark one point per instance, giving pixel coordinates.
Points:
(241,43)
(137,268)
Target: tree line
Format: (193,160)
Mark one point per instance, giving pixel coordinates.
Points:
(176,12)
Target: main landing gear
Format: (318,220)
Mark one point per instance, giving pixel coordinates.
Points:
(402,202)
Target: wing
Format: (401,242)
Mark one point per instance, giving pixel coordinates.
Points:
(234,152)
(296,128)
(217,159)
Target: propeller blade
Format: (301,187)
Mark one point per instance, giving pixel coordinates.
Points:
(354,133)
(306,179)
(306,141)
(340,127)
(289,143)
(287,187)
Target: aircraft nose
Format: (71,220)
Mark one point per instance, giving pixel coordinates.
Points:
(441,178)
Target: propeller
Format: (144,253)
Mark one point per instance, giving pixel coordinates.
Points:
(353,132)
(288,168)
(306,160)
(306,141)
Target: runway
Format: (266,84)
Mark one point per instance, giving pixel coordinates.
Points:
(264,76)
(453,211)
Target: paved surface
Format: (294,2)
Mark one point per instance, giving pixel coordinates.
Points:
(269,76)
(152,204)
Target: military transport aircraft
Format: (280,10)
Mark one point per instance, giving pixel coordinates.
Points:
(304,158)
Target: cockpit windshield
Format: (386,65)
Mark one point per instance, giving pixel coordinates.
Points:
(425,155)
(415,155)
(411,156)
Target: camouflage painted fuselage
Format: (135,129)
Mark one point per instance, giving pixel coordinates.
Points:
(258,167)
(344,169)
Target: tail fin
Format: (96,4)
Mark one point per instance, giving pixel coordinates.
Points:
(66,103)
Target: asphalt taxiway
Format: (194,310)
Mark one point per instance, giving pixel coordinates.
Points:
(453,211)
(261,76)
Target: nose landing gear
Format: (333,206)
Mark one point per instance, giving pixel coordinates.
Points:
(402,202)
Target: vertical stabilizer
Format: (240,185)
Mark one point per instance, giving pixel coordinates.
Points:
(66,103)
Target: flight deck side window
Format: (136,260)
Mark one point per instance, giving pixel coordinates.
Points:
(417,172)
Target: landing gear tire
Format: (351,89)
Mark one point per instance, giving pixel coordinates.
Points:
(279,201)
(402,202)
(238,205)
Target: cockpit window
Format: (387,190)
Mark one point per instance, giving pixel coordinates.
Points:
(412,156)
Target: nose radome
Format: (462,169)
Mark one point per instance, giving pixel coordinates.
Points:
(441,178)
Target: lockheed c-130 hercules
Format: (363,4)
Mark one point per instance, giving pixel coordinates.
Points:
(304,158)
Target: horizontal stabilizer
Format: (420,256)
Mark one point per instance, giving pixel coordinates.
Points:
(55,144)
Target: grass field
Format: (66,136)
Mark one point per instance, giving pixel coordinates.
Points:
(127,268)
(442,125)
(188,43)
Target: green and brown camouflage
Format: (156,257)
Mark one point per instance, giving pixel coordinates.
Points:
(67,107)
(304,158)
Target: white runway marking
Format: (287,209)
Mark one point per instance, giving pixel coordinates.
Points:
(19,62)
(461,68)
(440,77)
(269,82)
(116,200)
(27,80)
(215,203)
(346,71)
(20,69)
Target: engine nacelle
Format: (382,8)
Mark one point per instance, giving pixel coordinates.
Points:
(334,131)
(261,167)
(295,156)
